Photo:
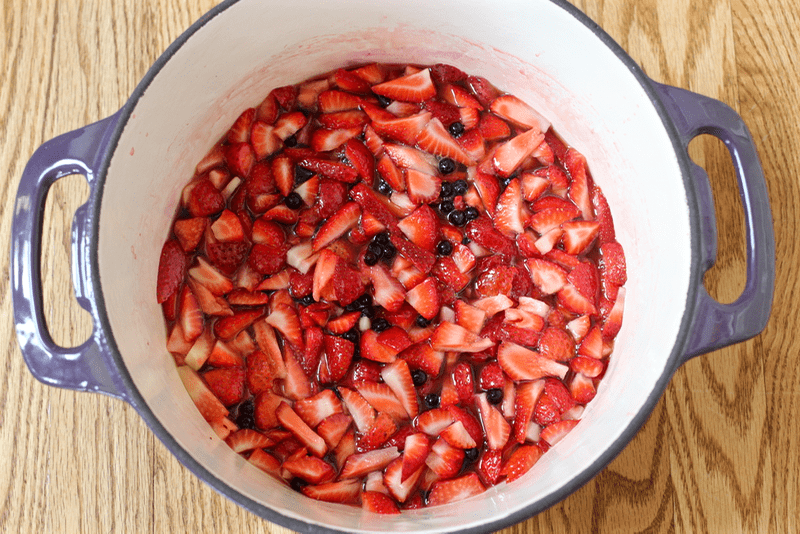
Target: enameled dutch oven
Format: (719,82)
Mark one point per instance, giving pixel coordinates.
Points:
(633,131)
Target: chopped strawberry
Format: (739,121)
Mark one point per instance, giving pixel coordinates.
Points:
(483,232)
(246,440)
(330,169)
(492,128)
(339,354)
(323,140)
(239,157)
(204,199)
(602,212)
(425,298)
(508,212)
(556,344)
(381,397)
(521,461)
(495,426)
(421,227)
(422,187)
(491,376)
(510,155)
(343,119)
(398,377)
(284,318)
(189,232)
(579,185)
(592,344)
(360,464)
(613,269)
(435,139)
(264,140)
(416,87)
(171,270)
(582,388)
(457,489)
(343,491)
(336,226)
(369,202)
(515,110)
(555,400)
(579,235)
(555,432)
(381,430)
(292,422)
(443,73)
(226,384)
(373,501)
(571,299)
(405,129)
(527,395)
(520,363)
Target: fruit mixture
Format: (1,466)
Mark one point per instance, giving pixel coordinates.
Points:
(392,286)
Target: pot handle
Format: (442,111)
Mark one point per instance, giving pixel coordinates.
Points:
(87,367)
(717,325)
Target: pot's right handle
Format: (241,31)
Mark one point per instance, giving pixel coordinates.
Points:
(86,367)
(717,325)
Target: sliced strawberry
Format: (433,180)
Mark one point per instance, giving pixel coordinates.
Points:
(520,363)
(189,232)
(582,388)
(613,269)
(267,260)
(360,410)
(464,382)
(490,465)
(445,460)
(344,322)
(398,377)
(421,227)
(264,140)
(361,158)
(457,436)
(227,327)
(457,489)
(226,384)
(555,400)
(289,419)
(443,73)
(289,124)
(434,421)
(421,259)
(381,430)
(372,349)
(204,199)
(613,321)
(491,376)
(527,395)
(312,470)
(452,337)
(423,356)
(359,465)
(422,187)
(495,426)
(369,202)
(508,212)
(555,432)
(448,273)
(239,157)
(518,112)
(339,354)
(435,139)
(556,344)
(323,140)
(521,461)
(284,318)
(603,216)
(405,129)
(260,372)
(343,119)
(333,100)
(571,299)
(373,501)
(510,155)
(222,355)
(483,232)
(425,298)
(207,403)
(548,277)
(337,225)
(330,169)
(381,397)
(313,410)
(416,87)
(171,270)
(211,160)
(444,112)
(459,97)
(343,491)
(246,440)
(579,235)
(388,292)
(492,128)
(333,428)
(579,186)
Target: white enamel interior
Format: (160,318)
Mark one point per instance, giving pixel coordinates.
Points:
(531,48)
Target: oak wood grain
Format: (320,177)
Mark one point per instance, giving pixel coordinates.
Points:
(721,451)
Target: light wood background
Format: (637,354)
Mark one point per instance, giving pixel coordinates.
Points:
(721,451)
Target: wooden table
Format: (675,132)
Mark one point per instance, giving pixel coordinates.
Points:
(721,451)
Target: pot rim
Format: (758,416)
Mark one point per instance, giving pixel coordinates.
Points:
(135,398)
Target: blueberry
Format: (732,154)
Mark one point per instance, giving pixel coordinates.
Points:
(301,174)
(457,218)
(383,101)
(382,238)
(456,129)
(460,187)
(293,201)
(298,484)
(446,166)
(466,240)
(471,213)
(368,312)
(308,300)
(446,206)
(471,454)
(384,188)
(363,301)
(432,400)
(351,335)
(389,252)
(375,248)
(245,420)
(370,258)
(247,407)
(422,322)
(419,377)
(504,183)
(380,325)
(444,247)
(290,141)
(447,190)
(494,396)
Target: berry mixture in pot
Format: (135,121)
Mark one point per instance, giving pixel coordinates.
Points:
(392,286)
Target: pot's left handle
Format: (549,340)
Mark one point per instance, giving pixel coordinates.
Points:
(87,367)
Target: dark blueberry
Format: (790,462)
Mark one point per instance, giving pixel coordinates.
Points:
(447,190)
(419,377)
(471,213)
(446,206)
(389,252)
(246,420)
(293,201)
(290,141)
(351,335)
(368,312)
(504,183)
(384,188)
(298,484)
(383,101)
(466,241)
(446,166)
(457,218)
(363,301)
(247,407)
(308,300)
(471,454)
(432,400)
(456,129)
(444,247)
(370,258)
(460,187)
(382,238)
(375,248)
(494,396)
(422,322)
(380,324)
(301,174)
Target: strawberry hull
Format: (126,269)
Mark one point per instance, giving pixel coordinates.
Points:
(626,127)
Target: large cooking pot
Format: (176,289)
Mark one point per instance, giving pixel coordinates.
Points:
(633,131)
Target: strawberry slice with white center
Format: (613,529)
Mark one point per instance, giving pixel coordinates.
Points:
(487,186)
(457,436)
(520,363)
(330,169)
(289,419)
(422,356)
(316,408)
(578,190)
(264,140)
(524,403)
(556,344)
(495,425)
(312,470)
(388,292)
(284,318)
(533,186)
(457,489)
(548,277)
(359,465)
(515,110)
(444,459)
(422,187)
(410,158)
(405,130)
(415,450)
(296,385)
(434,421)
(552,218)
(493,305)
(578,235)
(425,298)
(421,227)
(341,222)
(323,140)
(323,272)
(592,344)
(207,403)
(555,432)
(228,227)
(582,388)
(572,299)
(343,491)
(469,316)
(289,124)
(421,259)
(452,337)
(508,212)
(210,278)
(381,397)
(246,440)
(333,427)
(369,202)
(510,155)
(397,376)
(435,139)
(189,232)
(587,366)
(360,410)
(613,268)
(416,87)
(400,487)
(521,461)
(613,322)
